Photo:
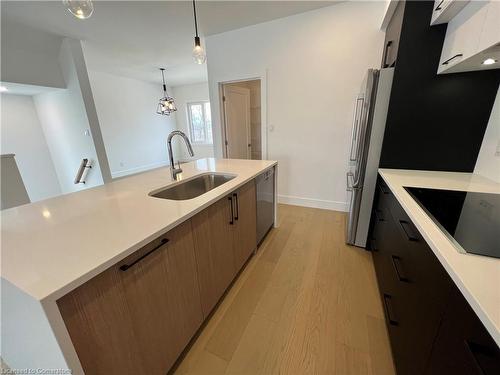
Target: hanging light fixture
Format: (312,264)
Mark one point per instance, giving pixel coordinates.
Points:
(166,104)
(80,9)
(198,51)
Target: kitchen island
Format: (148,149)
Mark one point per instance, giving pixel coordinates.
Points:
(53,247)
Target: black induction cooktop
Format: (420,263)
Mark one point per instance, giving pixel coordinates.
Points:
(471,219)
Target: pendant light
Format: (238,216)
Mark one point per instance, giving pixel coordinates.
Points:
(166,104)
(80,9)
(198,51)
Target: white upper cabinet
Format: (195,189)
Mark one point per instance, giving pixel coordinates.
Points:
(472,36)
(490,34)
(445,10)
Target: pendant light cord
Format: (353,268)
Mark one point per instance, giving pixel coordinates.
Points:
(163,79)
(195,21)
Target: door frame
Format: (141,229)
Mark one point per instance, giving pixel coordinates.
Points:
(263,110)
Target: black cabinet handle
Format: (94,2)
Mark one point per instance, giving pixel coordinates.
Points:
(482,355)
(389,311)
(396,262)
(379,215)
(384,189)
(373,244)
(386,52)
(439,5)
(231,221)
(127,266)
(407,228)
(237,203)
(451,58)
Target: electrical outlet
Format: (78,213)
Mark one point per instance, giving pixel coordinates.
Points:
(497,152)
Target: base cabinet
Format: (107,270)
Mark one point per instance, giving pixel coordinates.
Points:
(136,317)
(224,237)
(463,347)
(139,315)
(422,305)
(213,233)
(245,224)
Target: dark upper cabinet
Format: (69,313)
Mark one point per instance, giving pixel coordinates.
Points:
(434,122)
(392,35)
(419,299)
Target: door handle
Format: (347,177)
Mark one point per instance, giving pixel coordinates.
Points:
(408,230)
(378,215)
(451,58)
(231,221)
(354,133)
(439,5)
(389,310)
(386,52)
(373,244)
(396,262)
(125,267)
(480,353)
(349,175)
(237,203)
(383,189)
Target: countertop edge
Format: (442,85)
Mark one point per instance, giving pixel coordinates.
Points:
(471,299)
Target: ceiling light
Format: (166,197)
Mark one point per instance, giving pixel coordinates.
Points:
(489,61)
(3,89)
(166,104)
(198,53)
(80,9)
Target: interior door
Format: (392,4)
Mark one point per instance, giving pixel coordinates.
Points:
(237,122)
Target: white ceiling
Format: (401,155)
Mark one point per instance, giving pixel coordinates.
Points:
(134,38)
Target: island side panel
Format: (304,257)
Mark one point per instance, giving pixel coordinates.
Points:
(28,340)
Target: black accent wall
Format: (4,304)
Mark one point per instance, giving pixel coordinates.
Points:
(434,122)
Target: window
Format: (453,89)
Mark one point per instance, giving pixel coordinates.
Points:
(200,122)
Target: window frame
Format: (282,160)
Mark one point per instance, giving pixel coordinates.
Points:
(190,123)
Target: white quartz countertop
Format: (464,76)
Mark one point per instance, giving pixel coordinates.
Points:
(52,246)
(477,277)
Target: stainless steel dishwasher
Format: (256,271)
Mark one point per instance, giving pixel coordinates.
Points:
(265,203)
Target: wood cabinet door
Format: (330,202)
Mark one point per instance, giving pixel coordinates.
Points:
(137,317)
(245,222)
(213,244)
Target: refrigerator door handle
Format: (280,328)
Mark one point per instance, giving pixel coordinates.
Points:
(349,176)
(355,128)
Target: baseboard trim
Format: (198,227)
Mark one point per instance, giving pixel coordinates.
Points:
(135,170)
(313,203)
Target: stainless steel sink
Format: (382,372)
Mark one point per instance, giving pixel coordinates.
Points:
(193,188)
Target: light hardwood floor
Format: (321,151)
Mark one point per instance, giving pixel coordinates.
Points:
(305,304)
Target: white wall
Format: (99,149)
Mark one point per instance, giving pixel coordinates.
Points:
(22,135)
(184,95)
(134,134)
(488,161)
(30,56)
(63,115)
(313,64)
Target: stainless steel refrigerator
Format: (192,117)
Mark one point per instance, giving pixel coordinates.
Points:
(370,113)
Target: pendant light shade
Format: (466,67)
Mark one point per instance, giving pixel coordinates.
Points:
(80,9)
(198,52)
(166,104)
